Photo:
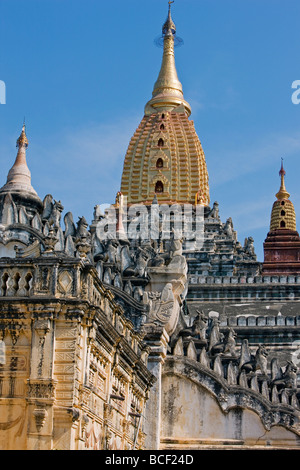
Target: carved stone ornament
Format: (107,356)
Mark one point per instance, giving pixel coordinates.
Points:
(40,389)
(108,411)
(65,282)
(161,304)
(40,415)
(50,241)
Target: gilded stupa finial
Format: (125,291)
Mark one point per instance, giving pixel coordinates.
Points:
(169,25)
(22,140)
(167,91)
(282,193)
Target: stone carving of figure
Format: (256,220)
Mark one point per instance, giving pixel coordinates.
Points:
(82,226)
(215,336)
(261,359)
(249,246)
(83,238)
(161,304)
(176,246)
(52,211)
(167,293)
(257,361)
(222,344)
(157,258)
(175,252)
(141,262)
(111,249)
(228,227)
(198,328)
(200,325)
(126,260)
(215,211)
(288,378)
(230,343)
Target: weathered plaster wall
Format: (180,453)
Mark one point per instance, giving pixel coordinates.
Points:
(193,418)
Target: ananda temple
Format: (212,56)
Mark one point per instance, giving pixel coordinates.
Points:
(151,326)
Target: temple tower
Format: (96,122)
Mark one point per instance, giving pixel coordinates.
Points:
(282,245)
(18,184)
(165,157)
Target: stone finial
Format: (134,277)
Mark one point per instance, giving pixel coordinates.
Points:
(19,176)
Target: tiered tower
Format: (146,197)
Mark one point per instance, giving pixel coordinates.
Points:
(165,157)
(282,245)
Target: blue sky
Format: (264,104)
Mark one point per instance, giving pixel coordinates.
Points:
(81,72)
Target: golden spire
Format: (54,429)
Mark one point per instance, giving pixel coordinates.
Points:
(167,92)
(22,140)
(283,213)
(282,193)
(165,159)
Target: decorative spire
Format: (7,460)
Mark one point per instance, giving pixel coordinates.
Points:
(19,176)
(169,25)
(167,92)
(165,161)
(22,140)
(282,245)
(282,193)
(283,214)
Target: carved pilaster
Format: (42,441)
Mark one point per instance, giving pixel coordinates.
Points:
(157,340)
(42,350)
(40,398)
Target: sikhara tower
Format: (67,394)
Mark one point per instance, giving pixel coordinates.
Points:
(282,245)
(165,158)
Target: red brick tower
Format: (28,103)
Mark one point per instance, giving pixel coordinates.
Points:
(282,245)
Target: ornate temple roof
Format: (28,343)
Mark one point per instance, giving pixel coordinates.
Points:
(165,157)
